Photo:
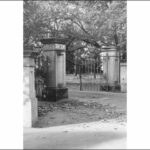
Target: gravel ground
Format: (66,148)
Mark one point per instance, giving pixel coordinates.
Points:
(83,107)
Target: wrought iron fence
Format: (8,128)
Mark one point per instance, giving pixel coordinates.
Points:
(99,74)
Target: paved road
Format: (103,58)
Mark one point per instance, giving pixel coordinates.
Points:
(94,135)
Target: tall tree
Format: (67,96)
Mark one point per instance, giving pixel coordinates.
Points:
(98,23)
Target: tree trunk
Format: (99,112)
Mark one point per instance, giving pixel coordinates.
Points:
(118,50)
(80,75)
(95,68)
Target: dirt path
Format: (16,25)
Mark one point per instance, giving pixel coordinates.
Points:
(83,107)
(114,99)
(86,120)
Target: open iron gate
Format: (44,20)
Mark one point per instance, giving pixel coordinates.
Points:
(92,75)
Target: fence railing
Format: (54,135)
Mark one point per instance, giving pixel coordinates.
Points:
(95,74)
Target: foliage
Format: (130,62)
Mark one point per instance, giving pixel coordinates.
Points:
(87,25)
(89,21)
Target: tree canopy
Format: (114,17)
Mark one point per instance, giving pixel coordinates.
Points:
(87,26)
(98,23)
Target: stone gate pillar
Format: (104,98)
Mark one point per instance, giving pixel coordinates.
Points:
(55,50)
(30,106)
(111,66)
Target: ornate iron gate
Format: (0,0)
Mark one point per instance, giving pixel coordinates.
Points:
(99,74)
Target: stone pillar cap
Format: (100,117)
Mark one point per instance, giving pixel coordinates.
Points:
(53,41)
(109,47)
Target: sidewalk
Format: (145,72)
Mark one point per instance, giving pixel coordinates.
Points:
(94,135)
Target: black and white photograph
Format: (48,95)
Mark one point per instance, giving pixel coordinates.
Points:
(74,74)
(75,81)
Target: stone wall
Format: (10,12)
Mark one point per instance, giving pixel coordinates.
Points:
(123,77)
(30,109)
